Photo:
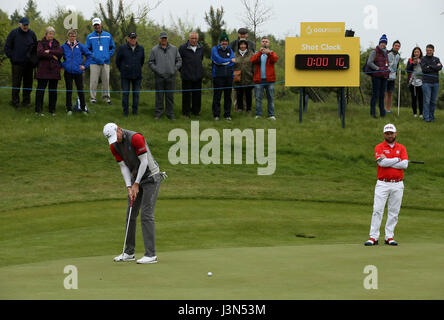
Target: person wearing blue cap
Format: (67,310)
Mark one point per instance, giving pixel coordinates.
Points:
(379,67)
(21,48)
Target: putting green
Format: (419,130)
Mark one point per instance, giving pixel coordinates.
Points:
(410,271)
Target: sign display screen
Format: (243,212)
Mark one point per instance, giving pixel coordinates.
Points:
(322,61)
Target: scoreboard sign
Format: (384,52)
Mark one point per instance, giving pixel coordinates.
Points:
(322,57)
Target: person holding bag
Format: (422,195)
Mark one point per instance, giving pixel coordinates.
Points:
(243,75)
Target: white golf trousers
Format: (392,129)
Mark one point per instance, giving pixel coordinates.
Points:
(393,192)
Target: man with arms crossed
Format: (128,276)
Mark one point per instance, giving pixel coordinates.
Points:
(142,178)
(392,159)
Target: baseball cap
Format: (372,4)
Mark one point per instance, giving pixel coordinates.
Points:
(24,21)
(132,35)
(390,128)
(163,34)
(110,132)
(96,21)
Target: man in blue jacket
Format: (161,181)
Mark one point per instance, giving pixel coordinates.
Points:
(102,46)
(130,59)
(74,66)
(20,46)
(223,70)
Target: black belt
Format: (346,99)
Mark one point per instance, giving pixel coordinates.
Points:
(391,180)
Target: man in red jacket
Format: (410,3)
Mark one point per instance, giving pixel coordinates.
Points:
(392,160)
(264,77)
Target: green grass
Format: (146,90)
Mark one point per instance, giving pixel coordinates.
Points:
(63,202)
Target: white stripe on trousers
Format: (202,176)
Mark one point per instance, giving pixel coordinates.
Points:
(393,192)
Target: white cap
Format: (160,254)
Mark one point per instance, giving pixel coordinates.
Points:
(110,132)
(390,128)
(96,21)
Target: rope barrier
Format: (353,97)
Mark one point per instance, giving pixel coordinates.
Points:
(202,89)
(147,91)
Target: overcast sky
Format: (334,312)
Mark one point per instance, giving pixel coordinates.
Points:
(411,22)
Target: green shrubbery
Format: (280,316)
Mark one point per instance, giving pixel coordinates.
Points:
(120,21)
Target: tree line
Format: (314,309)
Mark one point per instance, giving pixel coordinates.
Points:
(119,20)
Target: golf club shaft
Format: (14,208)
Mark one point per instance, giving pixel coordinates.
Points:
(127,226)
(417,162)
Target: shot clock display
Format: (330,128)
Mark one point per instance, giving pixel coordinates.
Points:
(322,61)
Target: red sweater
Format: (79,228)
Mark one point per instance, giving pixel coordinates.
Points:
(269,67)
(398,151)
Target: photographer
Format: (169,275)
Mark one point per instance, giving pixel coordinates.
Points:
(414,71)
(264,77)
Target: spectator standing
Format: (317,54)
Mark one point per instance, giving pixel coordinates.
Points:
(164,60)
(234,45)
(431,66)
(74,66)
(379,64)
(242,35)
(49,53)
(20,47)
(191,73)
(130,59)
(393,58)
(246,69)
(102,46)
(223,60)
(414,79)
(264,77)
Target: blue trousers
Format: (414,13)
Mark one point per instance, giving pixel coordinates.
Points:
(126,83)
(430,95)
(378,92)
(269,91)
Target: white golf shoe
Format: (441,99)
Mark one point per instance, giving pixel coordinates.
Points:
(124,257)
(147,260)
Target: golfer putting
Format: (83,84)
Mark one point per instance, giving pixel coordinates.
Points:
(142,178)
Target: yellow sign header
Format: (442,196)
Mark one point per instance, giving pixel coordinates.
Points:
(323,29)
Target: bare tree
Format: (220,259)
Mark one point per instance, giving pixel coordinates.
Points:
(256,14)
(145,9)
(182,26)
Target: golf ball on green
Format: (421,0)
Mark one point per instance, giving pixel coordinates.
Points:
(210,274)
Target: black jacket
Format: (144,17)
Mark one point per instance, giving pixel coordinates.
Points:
(430,69)
(192,69)
(235,45)
(130,62)
(20,47)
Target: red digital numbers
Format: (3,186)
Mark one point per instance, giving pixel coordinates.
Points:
(340,62)
(318,62)
(322,62)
